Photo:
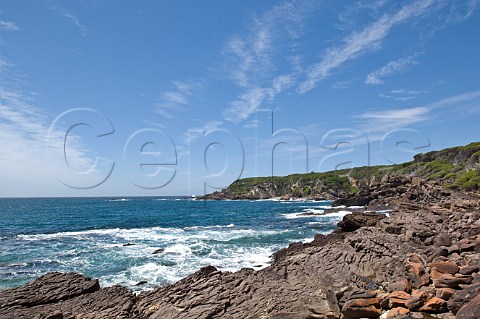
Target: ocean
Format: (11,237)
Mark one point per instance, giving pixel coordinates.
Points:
(114,239)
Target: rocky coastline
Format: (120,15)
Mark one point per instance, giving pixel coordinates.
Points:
(420,261)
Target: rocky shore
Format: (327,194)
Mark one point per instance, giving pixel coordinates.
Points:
(422,260)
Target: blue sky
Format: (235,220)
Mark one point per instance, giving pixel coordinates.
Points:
(113,98)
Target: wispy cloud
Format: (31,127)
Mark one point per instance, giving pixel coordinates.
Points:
(402,94)
(252,124)
(342,84)
(250,59)
(24,160)
(245,105)
(177,99)
(75,21)
(392,119)
(357,43)
(8,26)
(349,16)
(251,99)
(70,17)
(459,11)
(444,109)
(196,132)
(392,67)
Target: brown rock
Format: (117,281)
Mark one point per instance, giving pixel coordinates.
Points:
(445,293)
(434,305)
(467,247)
(55,315)
(463,297)
(362,312)
(362,302)
(444,239)
(356,220)
(418,299)
(471,310)
(454,282)
(445,267)
(49,288)
(468,270)
(395,312)
(395,299)
(434,274)
(400,285)
(416,271)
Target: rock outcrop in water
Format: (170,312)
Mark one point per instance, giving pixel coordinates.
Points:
(422,261)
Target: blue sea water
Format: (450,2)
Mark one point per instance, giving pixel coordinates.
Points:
(89,236)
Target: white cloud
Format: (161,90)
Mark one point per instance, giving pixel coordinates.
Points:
(68,16)
(24,160)
(27,166)
(252,124)
(392,67)
(8,26)
(75,21)
(196,132)
(177,99)
(250,58)
(402,116)
(402,94)
(357,43)
(444,109)
(245,105)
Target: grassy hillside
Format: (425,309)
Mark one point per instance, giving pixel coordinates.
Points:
(457,167)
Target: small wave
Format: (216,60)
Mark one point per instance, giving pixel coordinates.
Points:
(119,235)
(340,213)
(326,206)
(307,213)
(117,232)
(179,249)
(119,200)
(316,213)
(209,227)
(296,215)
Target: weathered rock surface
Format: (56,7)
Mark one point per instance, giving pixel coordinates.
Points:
(70,295)
(424,257)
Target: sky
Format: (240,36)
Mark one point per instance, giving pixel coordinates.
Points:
(154,98)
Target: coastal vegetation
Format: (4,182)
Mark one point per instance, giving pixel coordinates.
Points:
(454,168)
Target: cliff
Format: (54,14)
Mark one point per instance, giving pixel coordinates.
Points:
(454,168)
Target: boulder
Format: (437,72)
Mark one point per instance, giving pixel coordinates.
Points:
(463,297)
(354,221)
(395,299)
(444,267)
(471,310)
(445,293)
(397,312)
(434,305)
(417,300)
(416,271)
(361,305)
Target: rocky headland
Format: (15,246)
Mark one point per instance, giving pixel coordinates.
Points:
(419,260)
(454,168)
